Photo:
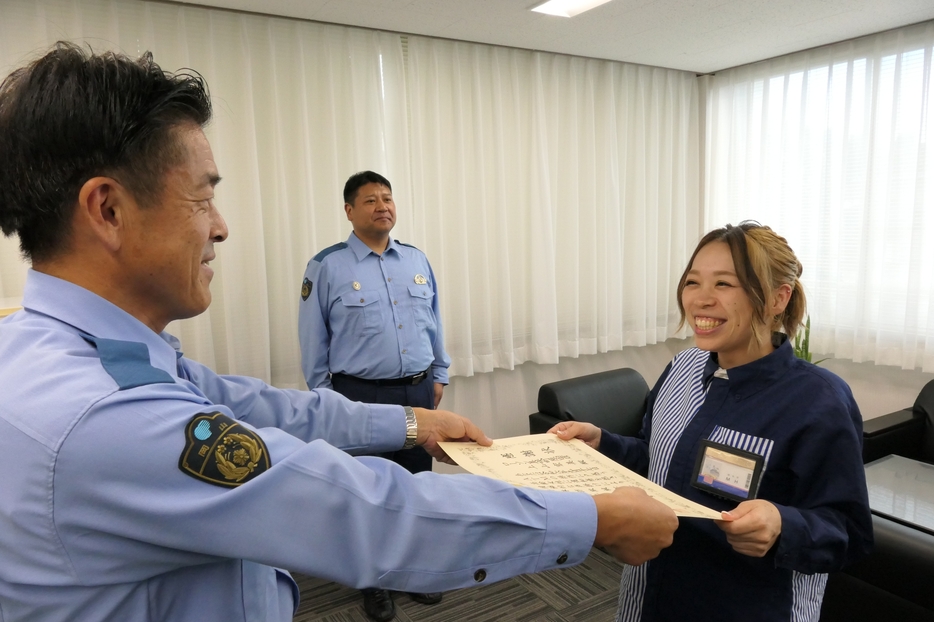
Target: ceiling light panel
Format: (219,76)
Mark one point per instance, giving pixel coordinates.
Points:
(567,8)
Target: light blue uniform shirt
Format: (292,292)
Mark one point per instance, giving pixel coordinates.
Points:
(99,522)
(370,316)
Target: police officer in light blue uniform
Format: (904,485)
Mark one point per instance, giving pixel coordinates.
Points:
(139,485)
(372,314)
(369,327)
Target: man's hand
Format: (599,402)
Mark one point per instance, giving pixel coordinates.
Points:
(587,432)
(443,425)
(753,527)
(632,526)
(439,390)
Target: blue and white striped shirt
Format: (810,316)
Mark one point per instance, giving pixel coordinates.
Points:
(793,414)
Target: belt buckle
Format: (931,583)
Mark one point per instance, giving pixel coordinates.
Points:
(419,377)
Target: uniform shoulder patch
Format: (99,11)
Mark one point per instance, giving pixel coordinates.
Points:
(330,249)
(306,288)
(220,451)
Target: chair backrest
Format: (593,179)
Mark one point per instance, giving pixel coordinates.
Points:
(614,400)
(924,405)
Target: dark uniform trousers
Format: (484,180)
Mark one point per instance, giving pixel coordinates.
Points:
(421,395)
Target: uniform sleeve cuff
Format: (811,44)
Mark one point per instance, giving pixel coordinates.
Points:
(571,528)
(387,428)
(787,548)
(439,374)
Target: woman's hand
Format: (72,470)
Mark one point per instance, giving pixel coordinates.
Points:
(587,432)
(753,527)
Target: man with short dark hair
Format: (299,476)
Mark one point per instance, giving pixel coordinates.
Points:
(141,486)
(369,327)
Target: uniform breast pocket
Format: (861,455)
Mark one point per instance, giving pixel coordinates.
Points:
(739,465)
(421,306)
(363,312)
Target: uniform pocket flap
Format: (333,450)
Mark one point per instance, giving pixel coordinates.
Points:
(360,299)
(421,292)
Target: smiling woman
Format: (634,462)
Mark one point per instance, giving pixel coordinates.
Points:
(743,396)
(740,286)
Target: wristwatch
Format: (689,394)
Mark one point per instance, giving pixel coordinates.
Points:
(411,428)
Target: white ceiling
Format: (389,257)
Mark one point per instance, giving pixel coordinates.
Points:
(702,36)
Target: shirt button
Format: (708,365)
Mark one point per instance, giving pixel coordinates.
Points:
(400,325)
(389,280)
(563,558)
(395,302)
(479,576)
(361,300)
(404,351)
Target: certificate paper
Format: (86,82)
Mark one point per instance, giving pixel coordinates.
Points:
(546,461)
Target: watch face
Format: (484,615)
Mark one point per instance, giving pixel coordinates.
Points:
(727,472)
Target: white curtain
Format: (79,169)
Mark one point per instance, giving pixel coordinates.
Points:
(558,194)
(556,197)
(830,148)
(298,107)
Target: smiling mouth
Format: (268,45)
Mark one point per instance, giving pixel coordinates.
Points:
(707,323)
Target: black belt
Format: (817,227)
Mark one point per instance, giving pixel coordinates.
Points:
(390,382)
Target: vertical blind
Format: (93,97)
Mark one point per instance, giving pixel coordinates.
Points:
(830,148)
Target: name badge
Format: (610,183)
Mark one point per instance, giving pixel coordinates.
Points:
(727,472)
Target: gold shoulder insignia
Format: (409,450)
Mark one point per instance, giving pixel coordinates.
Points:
(219,450)
(306,289)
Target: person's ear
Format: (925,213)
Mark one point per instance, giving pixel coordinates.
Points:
(347,209)
(102,211)
(780,298)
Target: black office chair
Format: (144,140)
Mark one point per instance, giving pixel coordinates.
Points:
(894,582)
(908,432)
(614,400)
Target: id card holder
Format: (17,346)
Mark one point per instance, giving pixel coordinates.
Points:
(727,472)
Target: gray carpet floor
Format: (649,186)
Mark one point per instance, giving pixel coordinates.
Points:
(584,593)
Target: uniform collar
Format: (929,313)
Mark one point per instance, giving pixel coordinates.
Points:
(751,378)
(361,250)
(89,313)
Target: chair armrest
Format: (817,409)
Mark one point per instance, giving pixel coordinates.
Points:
(900,432)
(901,563)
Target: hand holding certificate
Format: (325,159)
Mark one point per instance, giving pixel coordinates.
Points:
(545,461)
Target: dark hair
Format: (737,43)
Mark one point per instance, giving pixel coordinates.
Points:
(358,180)
(763,261)
(73,115)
